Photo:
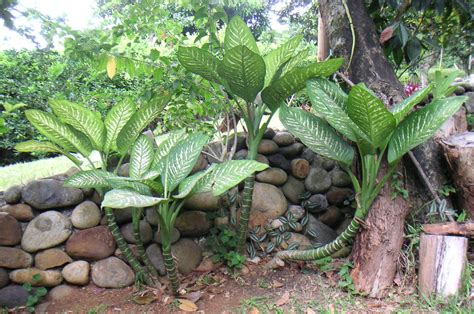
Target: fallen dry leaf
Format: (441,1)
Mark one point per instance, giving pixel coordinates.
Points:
(277,284)
(144,300)
(187,305)
(310,311)
(283,299)
(254,310)
(207,265)
(194,296)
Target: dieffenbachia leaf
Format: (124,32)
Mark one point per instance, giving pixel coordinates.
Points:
(126,198)
(141,157)
(115,120)
(403,108)
(200,62)
(276,58)
(239,34)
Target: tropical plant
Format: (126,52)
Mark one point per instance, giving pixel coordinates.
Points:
(159,177)
(74,130)
(256,85)
(382,137)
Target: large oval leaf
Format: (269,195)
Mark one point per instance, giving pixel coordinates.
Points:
(244,72)
(141,157)
(125,198)
(316,134)
(239,34)
(89,179)
(279,56)
(200,62)
(115,120)
(81,119)
(420,125)
(45,147)
(403,108)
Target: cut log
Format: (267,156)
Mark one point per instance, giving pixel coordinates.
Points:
(450,228)
(442,263)
(459,152)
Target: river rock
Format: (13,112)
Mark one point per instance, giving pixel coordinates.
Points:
(292,189)
(156,257)
(283,138)
(91,244)
(48,193)
(300,168)
(112,272)
(308,154)
(332,217)
(291,151)
(343,225)
(340,178)
(122,215)
(201,164)
(324,234)
(133,249)
(261,158)
(47,278)
(61,292)
(175,235)
(317,181)
(337,196)
(469,103)
(319,203)
(326,163)
(296,211)
(14,258)
(275,176)
(303,241)
(269,133)
(85,215)
(4,279)
(241,154)
(146,232)
(96,198)
(151,216)
(13,194)
(279,161)
(12,296)
(188,255)
(51,258)
(267,147)
(76,273)
(21,212)
(268,200)
(46,230)
(10,230)
(202,201)
(123,170)
(193,223)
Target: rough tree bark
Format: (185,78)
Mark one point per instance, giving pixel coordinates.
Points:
(377,246)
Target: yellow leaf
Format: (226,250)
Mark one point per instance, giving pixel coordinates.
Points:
(144,300)
(111,67)
(187,305)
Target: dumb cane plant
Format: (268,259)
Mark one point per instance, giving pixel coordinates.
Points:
(73,129)
(382,137)
(256,85)
(160,178)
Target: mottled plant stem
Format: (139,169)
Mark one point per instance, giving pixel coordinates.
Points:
(141,249)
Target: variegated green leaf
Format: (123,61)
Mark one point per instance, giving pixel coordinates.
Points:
(239,34)
(244,72)
(370,115)
(123,183)
(89,179)
(200,62)
(295,80)
(139,120)
(141,157)
(279,56)
(188,184)
(316,134)
(115,120)
(45,147)
(57,132)
(402,109)
(81,119)
(331,89)
(125,198)
(420,125)
(295,61)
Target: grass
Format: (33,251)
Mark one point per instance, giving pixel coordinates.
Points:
(22,173)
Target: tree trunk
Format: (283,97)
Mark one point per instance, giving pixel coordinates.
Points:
(378,245)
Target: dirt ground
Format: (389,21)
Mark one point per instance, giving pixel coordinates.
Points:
(298,288)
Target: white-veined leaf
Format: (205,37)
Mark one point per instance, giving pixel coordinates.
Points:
(370,115)
(244,72)
(420,125)
(337,95)
(123,183)
(279,56)
(45,147)
(57,132)
(81,119)
(200,62)
(139,120)
(316,134)
(115,120)
(89,179)
(295,61)
(125,198)
(403,108)
(295,80)
(141,156)
(239,34)
(188,184)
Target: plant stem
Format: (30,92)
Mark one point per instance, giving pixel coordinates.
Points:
(170,264)
(138,240)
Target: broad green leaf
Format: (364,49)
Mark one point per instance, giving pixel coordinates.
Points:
(403,108)
(295,61)
(331,89)
(45,147)
(115,120)
(244,72)
(181,159)
(89,179)
(123,183)
(125,198)
(165,142)
(81,119)
(139,120)
(57,132)
(420,125)
(279,56)
(239,34)
(370,115)
(295,81)
(443,86)
(187,185)
(200,62)
(141,157)
(316,134)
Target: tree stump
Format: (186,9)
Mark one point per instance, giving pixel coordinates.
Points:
(459,152)
(442,263)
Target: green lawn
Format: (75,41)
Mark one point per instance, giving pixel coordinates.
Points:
(22,173)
